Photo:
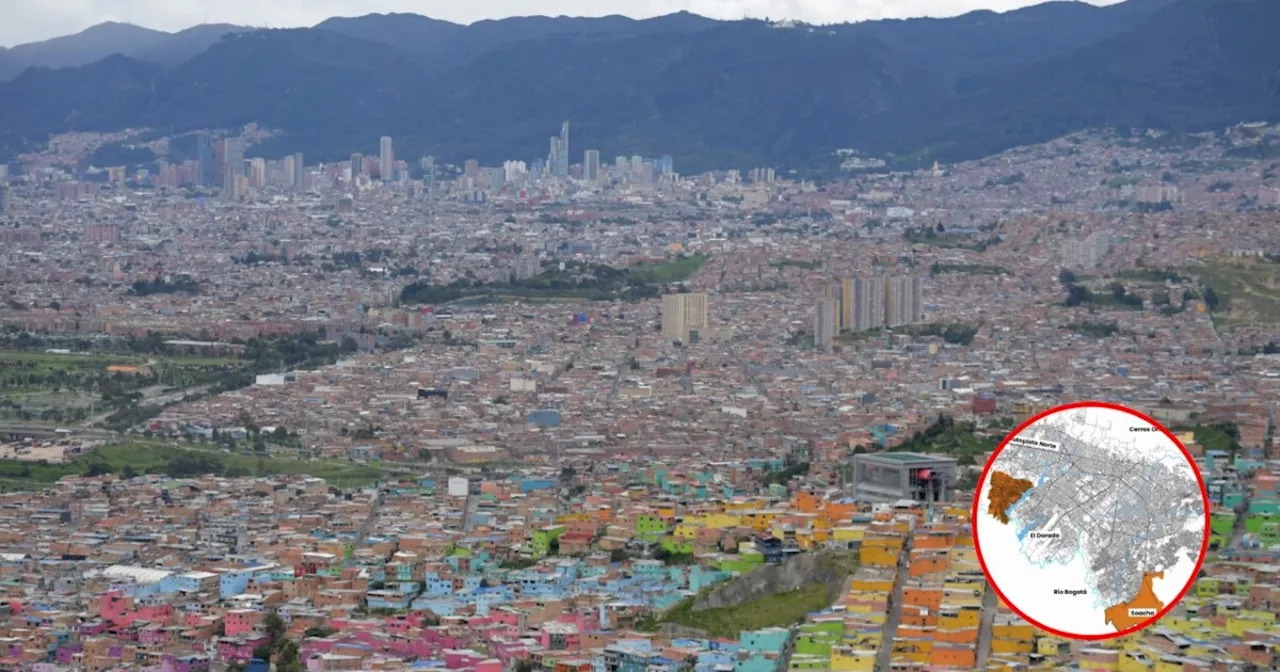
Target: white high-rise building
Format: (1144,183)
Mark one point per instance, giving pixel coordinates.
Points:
(683,316)
(867,304)
(826,322)
(1087,252)
(386,160)
(514,170)
(562,166)
(904,301)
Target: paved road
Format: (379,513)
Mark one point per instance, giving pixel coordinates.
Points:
(885,655)
(47,431)
(1241,510)
(469,512)
(367,526)
(985,625)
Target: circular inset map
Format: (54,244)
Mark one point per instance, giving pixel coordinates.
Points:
(1091,521)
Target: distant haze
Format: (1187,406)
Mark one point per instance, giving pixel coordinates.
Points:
(35,20)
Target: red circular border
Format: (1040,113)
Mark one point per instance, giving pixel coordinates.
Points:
(1204,495)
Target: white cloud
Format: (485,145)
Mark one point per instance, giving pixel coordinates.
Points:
(34,20)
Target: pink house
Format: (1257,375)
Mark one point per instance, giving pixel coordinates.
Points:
(240,621)
(93,628)
(239,648)
(156,613)
(506,650)
(410,648)
(114,606)
(153,635)
(460,658)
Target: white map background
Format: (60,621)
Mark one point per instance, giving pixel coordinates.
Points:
(1140,462)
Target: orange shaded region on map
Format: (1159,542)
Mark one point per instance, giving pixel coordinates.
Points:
(1005,490)
(1118,615)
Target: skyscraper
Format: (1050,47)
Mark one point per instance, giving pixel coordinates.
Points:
(299,172)
(357,165)
(386,160)
(562,168)
(846,303)
(683,316)
(233,157)
(903,302)
(204,159)
(6,197)
(591,165)
(868,304)
(826,322)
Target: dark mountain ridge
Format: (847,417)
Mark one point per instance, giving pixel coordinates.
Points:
(710,93)
(107,39)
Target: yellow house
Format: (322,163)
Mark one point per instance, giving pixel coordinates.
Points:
(848,533)
(686,530)
(720,521)
(848,659)
(962,598)
(740,505)
(1051,646)
(1010,646)
(1019,632)
(914,650)
(959,618)
(1135,661)
(1250,620)
(871,585)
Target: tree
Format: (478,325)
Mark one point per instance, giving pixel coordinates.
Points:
(288,660)
(280,434)
(127,472)
(1211,298)
(1066,277)
(274,626)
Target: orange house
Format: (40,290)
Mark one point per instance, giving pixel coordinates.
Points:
(953,656)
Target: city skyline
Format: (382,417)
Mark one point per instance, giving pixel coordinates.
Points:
(32,21)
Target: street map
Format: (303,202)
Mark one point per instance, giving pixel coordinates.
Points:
(1091,521)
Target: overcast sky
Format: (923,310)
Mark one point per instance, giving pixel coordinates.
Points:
(34,20)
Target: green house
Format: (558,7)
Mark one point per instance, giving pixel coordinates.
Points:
(543,537)
(650,527)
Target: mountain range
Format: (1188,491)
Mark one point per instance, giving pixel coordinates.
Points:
(710,93)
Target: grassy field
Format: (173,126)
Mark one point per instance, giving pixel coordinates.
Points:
(1248,290)
(959,440)
(777,610)
(796,263)
(65,387)
(185,460)
(1211,438)
(675,270)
